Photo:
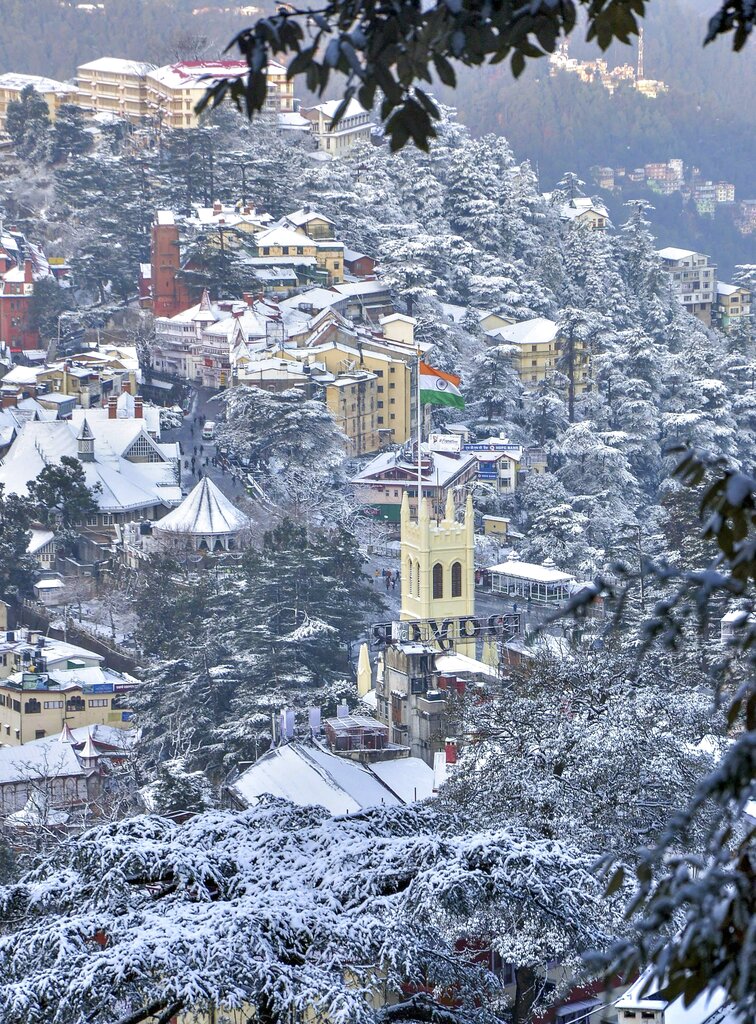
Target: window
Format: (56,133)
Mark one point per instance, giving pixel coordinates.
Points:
(380,389)
(392,416)
(39,734)
(411,576)
(53,704)
(380,419)
(75,704)
(438,580)
(456,579)
(32,707)
(98,703)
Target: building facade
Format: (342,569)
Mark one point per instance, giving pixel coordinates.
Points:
(337,138)
(55,94)
(733,306)
(694,277)
(113,85)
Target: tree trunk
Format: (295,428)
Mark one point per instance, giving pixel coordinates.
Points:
(525,995)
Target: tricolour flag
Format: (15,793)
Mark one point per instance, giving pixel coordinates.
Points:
(439,388)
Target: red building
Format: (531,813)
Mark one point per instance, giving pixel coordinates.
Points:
(164,293)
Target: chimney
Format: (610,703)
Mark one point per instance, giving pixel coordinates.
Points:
(112,408)
(217,206)
(28,272)
(126,386)
(9,400)
(248,298)
(451,750)
(138,409)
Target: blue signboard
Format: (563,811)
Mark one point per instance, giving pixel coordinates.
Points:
(487,472)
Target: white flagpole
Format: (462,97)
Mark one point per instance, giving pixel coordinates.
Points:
(419,441)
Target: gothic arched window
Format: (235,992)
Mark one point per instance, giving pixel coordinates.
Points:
(456,579)
(438,580)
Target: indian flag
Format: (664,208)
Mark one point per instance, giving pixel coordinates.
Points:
(439,388)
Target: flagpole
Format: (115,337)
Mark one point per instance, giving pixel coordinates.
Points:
(419,441)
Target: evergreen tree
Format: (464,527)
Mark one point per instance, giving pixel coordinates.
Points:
(27,122)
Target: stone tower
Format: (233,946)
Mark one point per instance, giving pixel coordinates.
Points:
(438,563)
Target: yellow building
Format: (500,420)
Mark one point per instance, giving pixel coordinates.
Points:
(282,241)
(55,94)
(46,684)
(438,563)
(351,398)
(733,305)
(113,85)
(537,351)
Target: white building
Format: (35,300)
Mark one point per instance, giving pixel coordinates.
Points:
(132,475)
(206,521)
(544,584)
(694,277)
(337,138)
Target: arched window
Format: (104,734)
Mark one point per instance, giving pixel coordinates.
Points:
(456,579)
(411,581)
(438,580)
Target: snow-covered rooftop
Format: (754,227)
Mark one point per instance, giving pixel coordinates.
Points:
(671,253)
(205,512)
(444,467)
(197,74)
(14,81)
(123,485)
(538,330)
(531,571)
(310,776)
(118,66)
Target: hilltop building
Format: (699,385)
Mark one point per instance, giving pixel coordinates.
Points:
(55,94)
(537,350)
(694,277)
(336,138)
(136,90)
(733,306)
(113,85)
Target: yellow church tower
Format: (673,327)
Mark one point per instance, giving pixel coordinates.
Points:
(438,563)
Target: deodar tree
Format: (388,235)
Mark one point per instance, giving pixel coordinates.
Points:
(282,911)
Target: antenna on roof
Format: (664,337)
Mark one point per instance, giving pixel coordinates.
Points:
(640,74)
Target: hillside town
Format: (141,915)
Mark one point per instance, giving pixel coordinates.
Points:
(375,567)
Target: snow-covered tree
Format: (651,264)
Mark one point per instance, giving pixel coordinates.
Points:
(283,911)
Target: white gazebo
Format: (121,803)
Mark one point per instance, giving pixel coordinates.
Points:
(543,583)
(206,521)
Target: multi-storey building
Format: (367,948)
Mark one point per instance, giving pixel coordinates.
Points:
(733,306)
(285,242)
(113,85)
(383,483)
(337,138)
(351,398)
(538,352)
(694,277)
(46,685)
(55,94)
(174,91)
